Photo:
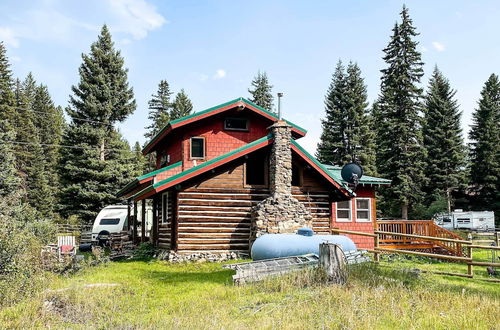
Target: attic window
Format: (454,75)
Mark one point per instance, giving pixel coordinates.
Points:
(236,124)
(197,148)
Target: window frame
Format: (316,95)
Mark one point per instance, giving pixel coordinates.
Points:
(349,219)
(369,209)
(191,147)
(266,175)
(237,129)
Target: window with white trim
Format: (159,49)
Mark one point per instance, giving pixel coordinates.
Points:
(197,148)
(363,210)
(344,211)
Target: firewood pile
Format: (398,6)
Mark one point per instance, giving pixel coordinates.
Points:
(120,244)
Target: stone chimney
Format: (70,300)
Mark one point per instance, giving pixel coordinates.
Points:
(280,212)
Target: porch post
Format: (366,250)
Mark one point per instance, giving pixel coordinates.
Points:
(128,215)
(134,229)
(143,222)
(155,222)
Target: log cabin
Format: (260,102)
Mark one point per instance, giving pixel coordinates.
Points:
(230,173)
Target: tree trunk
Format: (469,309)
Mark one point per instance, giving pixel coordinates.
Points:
(404,211)
(102,156)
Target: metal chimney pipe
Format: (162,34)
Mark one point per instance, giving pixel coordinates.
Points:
(280,95)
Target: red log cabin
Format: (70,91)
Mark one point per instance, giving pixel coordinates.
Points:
(215,167)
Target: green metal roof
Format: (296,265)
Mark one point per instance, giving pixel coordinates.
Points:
(203,112)
(146,176)
(364,179)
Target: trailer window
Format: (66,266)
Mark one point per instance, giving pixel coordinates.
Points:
(109,221)
(344,211)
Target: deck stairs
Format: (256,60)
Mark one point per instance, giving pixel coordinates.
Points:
(421,228)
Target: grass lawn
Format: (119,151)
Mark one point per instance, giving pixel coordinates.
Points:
(155,294)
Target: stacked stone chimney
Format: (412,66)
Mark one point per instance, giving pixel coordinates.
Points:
(280,212)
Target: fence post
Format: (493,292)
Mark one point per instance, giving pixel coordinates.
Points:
(377,243)
(497,238)
(331,259)
(470,269)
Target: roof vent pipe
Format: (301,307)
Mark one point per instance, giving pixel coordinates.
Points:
(280,95)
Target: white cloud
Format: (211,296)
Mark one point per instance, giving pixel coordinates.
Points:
(8,36)
(219,74)
(136,17)
(438,46)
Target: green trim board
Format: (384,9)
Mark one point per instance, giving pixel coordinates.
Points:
(138,180)
(208,163)
(364,179)
(206,111)
(334,176)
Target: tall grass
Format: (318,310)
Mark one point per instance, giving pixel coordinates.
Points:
(153,294)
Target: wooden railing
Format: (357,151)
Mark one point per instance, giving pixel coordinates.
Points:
(388,228)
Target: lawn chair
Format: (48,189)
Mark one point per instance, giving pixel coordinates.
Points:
(66,246)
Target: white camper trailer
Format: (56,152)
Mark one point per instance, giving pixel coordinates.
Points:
(114,219)
(471,220)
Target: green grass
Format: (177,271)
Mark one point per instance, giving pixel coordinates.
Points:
(155,294)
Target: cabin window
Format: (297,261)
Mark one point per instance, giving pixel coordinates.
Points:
(197,148)
(255,170)
(362,209)
(344,211)
(236,124)
(165,211)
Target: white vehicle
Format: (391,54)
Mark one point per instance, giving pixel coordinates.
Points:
(472,220)
(114,219)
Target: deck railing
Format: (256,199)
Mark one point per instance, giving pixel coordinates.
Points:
(388,228)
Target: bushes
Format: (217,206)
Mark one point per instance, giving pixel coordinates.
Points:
(22,234)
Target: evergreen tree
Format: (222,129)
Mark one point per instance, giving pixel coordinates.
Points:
(182,106)
(160,107)
(485,147)
(347,135)
(141,164)
(262,92)
(100,161)
(400,150)
(9,181)
(442,134)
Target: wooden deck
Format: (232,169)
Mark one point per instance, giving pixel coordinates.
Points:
(418,228)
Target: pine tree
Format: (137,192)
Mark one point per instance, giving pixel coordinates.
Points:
(347,135)
(160,107)
(262,92)
(9,181)
(182,106)
(485,147)
(397,113)
(141,165)
(442,134)
(100,161)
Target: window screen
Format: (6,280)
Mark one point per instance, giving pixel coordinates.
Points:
(363,209)
(344,210)
(236,124)
(197,148)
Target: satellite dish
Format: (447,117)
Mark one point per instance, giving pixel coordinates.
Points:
(351,173)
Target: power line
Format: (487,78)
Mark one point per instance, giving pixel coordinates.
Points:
(61,145)
(79,119)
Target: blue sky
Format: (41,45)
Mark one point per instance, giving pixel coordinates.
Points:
(213,49)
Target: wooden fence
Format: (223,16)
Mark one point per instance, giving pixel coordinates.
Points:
(467,259)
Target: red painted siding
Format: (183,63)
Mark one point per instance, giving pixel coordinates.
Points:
(362,242)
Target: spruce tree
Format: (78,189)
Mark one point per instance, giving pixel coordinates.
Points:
(100,161)
(182,106)
(262,92)
(9,180)
(442,134)
(485,148)
(160,107)
(397,113)
(141,165)
(347,135)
